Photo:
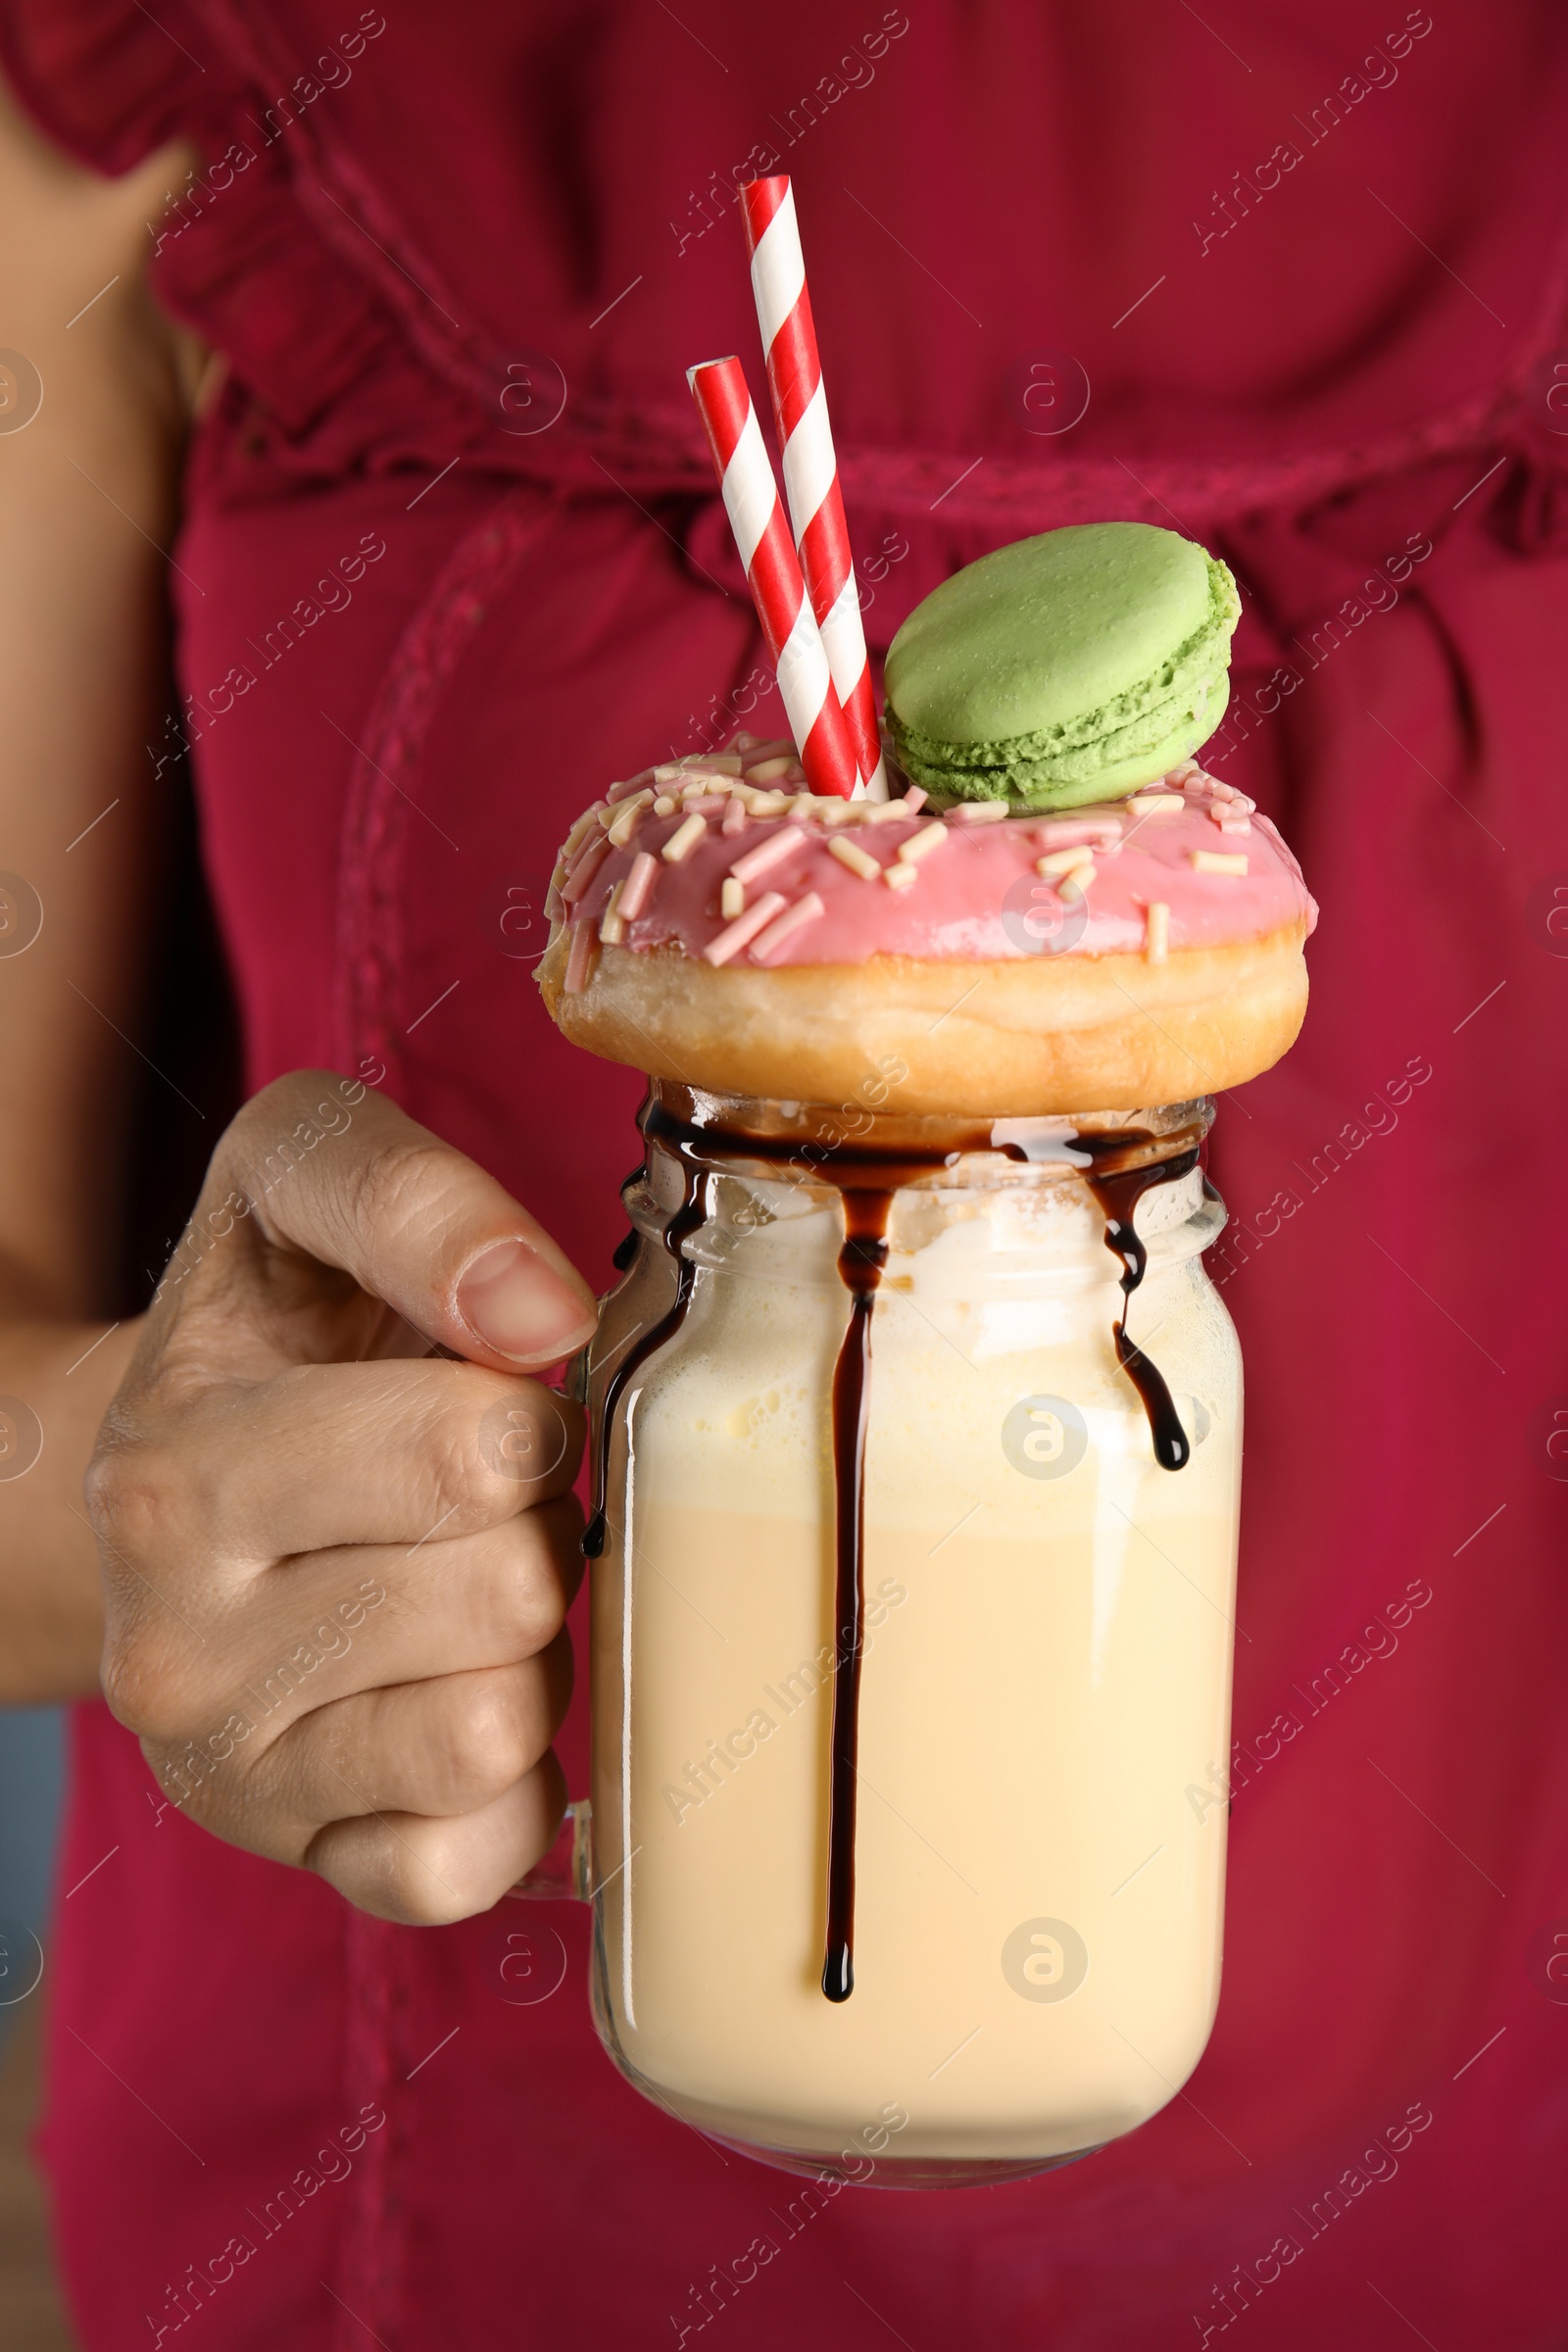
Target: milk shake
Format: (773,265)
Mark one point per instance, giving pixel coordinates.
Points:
(916,1423)
(1044,1674)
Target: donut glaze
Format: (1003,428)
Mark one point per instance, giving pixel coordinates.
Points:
(988,986)
(977,895)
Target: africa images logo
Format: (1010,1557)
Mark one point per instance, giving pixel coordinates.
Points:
(1039,920)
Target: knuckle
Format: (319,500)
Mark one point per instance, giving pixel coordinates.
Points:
(123,1678)
(414,1890)
(268,1112)
(137,1506)
(365,1865)
(529,1438)
(142,1512)
(469,1446)
(127,1495)
(143,1687)
(282,1099)
(413,1902)
(393,1184)
(525,1592)
(153,1499)
(485,1454)
(490,1741)
(458,1484)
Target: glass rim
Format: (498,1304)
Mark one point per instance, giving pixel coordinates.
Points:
(854,1146)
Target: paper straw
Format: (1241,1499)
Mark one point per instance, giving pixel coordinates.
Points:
(810,467)
(774,576)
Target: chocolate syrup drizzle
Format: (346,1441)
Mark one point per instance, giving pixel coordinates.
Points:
(1118,1196)
(678,1227)
(867,1177)
(861,1262)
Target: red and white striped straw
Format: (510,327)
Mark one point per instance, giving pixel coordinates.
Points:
(810,467)
(773,574)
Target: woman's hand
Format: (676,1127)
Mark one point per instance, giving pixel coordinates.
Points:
(337,1566)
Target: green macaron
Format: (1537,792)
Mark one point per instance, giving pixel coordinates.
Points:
(1067,668)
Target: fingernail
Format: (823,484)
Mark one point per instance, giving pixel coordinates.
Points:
(518,1306)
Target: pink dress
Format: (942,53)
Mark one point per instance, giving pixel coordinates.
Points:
(450,559)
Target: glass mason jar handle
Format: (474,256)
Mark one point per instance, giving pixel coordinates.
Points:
(566,1871)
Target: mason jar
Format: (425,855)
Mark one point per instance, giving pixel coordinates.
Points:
(981,1670)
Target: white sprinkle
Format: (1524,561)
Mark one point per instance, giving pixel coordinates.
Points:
(1230,819)
(1156,931)
(850,853)
(1062,861)
(619,792)
(901,878)
(920,845)
(1217,861)
(978,813)
(1075,885)
(716,764)
(1063,833)
(665,805)
(769,804)
(685,837)
(1154,804)
(767,853)
(579,832)
(731,898)
(794,918)
(879,813)
(624,824)
(638,887)
(745,926)
(612,926)
(767,772)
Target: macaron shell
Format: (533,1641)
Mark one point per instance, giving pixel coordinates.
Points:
(1073,666)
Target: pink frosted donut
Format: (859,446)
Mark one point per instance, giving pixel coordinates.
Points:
(735,933)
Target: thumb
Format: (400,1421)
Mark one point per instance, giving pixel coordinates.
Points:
(333,1172)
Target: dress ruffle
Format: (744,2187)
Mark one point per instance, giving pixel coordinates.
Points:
(281,252)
